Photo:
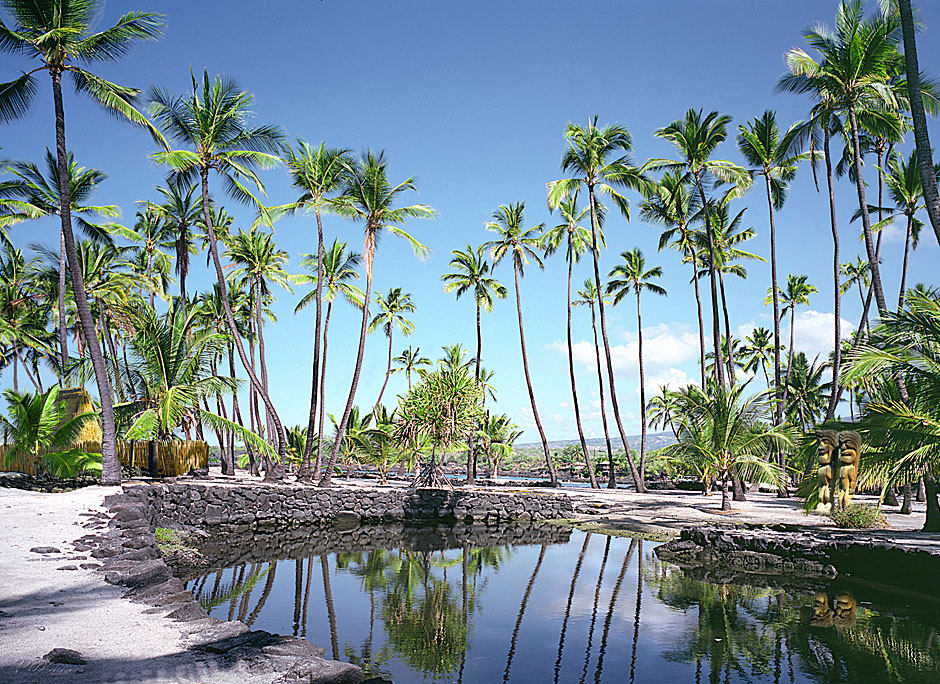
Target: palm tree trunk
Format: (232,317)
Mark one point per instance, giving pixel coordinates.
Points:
(639,334)
(701,322)
(528,381)
(932,520)
(330,611)
(111,464)
(522,606)
(615,594)
(265,593)
(866,220)
(280,439)
(907,251)
(574,393)
(237,416)
(637,479)
(322,407)
(837,307)
(305,473)
(327,476)
(778,390)
(16,357)
(597,595)
(716,329)
(388,372)
(786,379)
(725,504)
(262,360)
(639,607)
(63,328)
(728,340)
(574,582)
(471,451)
(611,478)
(919,120)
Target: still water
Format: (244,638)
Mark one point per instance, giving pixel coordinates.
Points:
(571,608)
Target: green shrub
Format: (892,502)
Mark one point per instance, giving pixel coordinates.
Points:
(859,517)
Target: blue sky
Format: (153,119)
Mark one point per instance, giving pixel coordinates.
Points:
(472,99)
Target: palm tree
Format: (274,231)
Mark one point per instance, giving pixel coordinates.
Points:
(339,269)
(37,428)
(632,275)
(696,138)
(808,394)
(672,203)
(598,159)
(857,63)
(369,197)
(154,235)
(576,240)
(56,34)
(797,292)
(213,124)
(725,430)
(520,244)
(392,310)
(916,101)
(857,273)
(317,172)
(775,158)
(661,409)
(758,351)
(181,210)
(40,193)
(410,360)
(906,191)
(588,297)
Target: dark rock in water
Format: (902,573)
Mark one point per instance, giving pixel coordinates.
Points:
(257,639)
(294,647)
(319,671)
(44,549)
(187,612)
(65,656)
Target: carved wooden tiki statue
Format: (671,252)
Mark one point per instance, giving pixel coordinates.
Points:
(827,453)
(850,452)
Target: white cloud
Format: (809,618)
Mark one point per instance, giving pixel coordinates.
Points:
(813,332)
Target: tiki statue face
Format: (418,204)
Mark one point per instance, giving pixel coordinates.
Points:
(828,445)
(850,448)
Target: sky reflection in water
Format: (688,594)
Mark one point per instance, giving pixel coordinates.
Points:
(596,609)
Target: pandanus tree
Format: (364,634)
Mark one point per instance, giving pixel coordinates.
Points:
(632,276)
(855,67)
(211,126)
(56,33)
(598,159)
(38,191)
(369,197)
(673,203)
(338,270)
(696,138)
(520,244)
(576,240)
(316,172)
(774,157)
(589,296)
(392,309)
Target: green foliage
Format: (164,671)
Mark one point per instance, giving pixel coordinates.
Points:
(859,517)
(443,407)
(37,427)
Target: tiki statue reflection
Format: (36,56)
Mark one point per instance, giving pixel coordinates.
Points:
(850,450)
(826,452)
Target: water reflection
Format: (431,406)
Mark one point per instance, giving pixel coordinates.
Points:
(591,608)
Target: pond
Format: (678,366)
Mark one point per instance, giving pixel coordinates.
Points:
(545,604)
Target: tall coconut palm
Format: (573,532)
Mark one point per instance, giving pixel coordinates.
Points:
(56,34)
(796,292)
(392,310)
(774,157)
(673,203)
(338,268)
(520,244)
(181,210)
(212,123)
(155,238)
(369,197)
(471,272)
(857,273)
(409,361)
(317,172)
(758,352)
(857,62)
(576,240)
(696,138)
(633,276)
(39,191)
(598,159)
(919,120)
(589,297)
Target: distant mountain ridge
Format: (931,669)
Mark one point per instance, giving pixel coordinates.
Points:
(654,440)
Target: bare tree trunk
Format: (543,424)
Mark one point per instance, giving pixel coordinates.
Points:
(611,479)
(322,407)
(716,328)
(574,390)
(305,473)
(639,333)
(701,322)
(111,464)
(837,346)
(388,373)
(63,328)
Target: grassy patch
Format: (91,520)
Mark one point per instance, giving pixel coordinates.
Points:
(859,517)
(175,547)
